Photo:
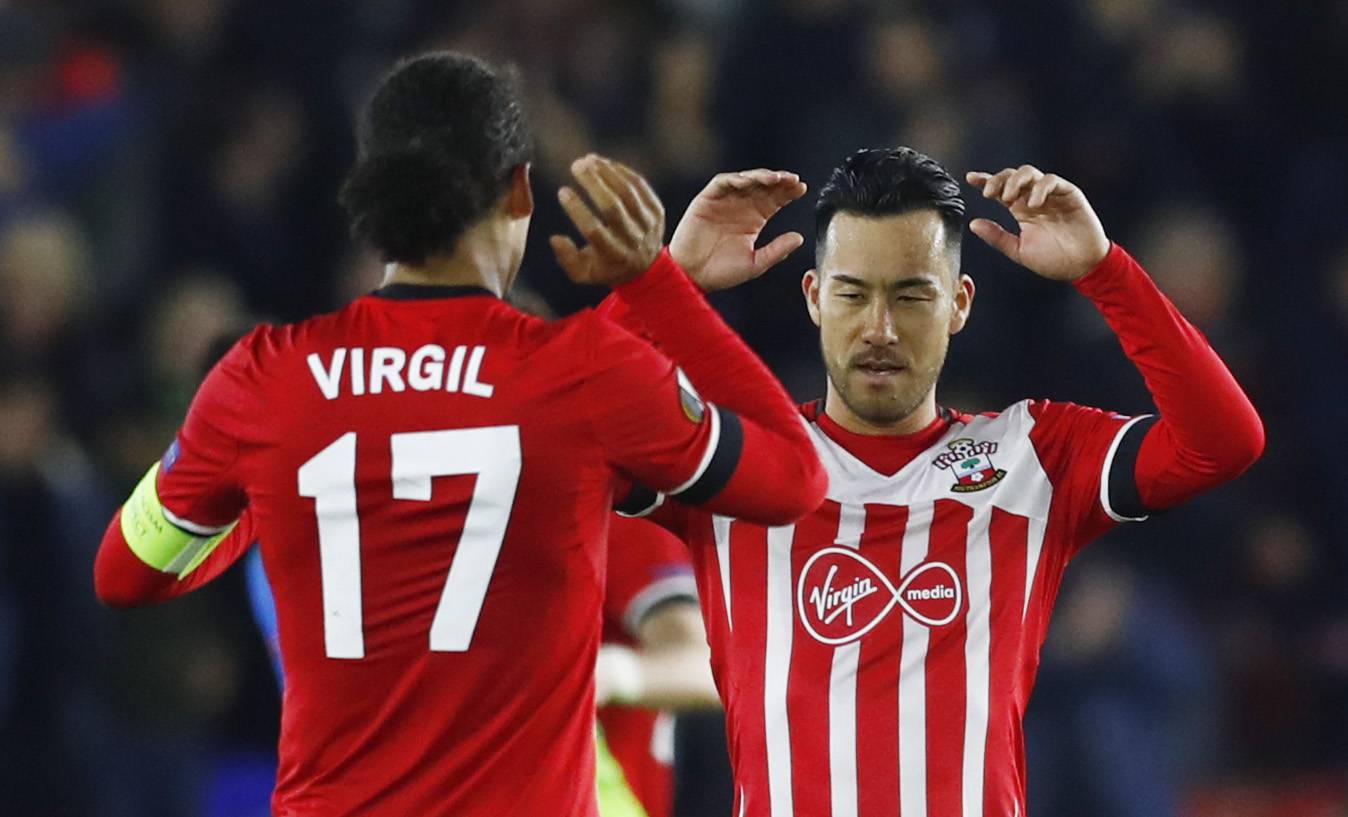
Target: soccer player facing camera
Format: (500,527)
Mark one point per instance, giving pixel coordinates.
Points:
(876,657)
(431,471)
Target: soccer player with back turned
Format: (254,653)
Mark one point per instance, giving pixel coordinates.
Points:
(431,471)
(877,656)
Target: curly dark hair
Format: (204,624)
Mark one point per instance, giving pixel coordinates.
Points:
(889,182)
(438,144)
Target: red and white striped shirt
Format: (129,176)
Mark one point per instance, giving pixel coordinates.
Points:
(876,657)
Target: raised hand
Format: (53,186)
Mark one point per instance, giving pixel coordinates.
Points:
(624,231)
(1060,237)
(715,240)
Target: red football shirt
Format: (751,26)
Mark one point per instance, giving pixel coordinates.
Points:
(877,656)
(430,472)
(647,567)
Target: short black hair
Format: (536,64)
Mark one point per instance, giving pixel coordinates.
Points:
(890,182)
(438,144)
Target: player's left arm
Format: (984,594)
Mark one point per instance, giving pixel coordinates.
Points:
(182,525)
(1207,431)
(651,594)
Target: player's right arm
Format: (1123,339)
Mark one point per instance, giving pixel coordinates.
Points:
(745,453)
(650,594)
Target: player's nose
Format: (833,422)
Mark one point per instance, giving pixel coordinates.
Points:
(879,329)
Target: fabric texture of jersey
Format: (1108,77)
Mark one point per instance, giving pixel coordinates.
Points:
(877,656)
(432,465)
(648,567)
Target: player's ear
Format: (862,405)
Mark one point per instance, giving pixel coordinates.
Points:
(809,285)
(520,196)
(964,301)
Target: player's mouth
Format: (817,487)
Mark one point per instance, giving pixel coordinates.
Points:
(879,372)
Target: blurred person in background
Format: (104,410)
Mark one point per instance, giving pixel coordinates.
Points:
(1124,700)
(654,662)
(51,701)
(1282,713)
(47,286)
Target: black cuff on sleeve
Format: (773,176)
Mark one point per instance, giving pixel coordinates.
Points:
(724,461)
(639,502)
(1124,499)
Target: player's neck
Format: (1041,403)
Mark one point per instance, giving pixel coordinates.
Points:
(480,259)
(919,419)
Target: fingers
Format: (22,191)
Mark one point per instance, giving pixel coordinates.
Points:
(622,222)
(1026,183)
(787,192)
(1023,177)
(570,258)
(997,237)
(643,188)
(589,225)
(1050,185)
(626,191)
(593,176)
(1005,185)
(748,182)
(772,254)
(977,178)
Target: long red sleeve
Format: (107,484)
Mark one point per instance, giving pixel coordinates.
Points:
(779,477)
(1208,431)
(121,579)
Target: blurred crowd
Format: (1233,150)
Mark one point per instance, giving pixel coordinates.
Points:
(168,176)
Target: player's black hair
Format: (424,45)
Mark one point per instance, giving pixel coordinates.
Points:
(890,182)
(438,144)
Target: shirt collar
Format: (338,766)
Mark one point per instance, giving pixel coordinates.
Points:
(422,292)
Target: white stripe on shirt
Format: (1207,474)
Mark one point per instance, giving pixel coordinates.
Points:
(776,670)
(720,527)
(977,657)
(842,692)
(912,771)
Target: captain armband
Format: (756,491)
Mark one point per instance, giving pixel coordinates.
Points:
(160,539)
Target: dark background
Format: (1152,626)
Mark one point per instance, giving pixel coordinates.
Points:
(168,173)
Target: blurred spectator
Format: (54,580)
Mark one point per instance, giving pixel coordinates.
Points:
(185,329)
(51,507)
(1119,717)
(44,287)
(1282,710)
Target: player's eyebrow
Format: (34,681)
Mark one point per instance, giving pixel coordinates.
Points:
(904,283)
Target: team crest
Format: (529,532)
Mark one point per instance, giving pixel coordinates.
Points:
(689,400)
(971,463)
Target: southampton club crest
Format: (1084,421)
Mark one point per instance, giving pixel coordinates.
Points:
(971,462)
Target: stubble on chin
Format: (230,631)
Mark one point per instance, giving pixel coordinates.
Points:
(884,410)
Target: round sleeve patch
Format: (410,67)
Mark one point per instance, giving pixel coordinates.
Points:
(694,408)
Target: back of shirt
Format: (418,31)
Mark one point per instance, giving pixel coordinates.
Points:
(430,473)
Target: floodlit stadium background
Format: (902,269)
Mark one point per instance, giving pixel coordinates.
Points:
(168,170)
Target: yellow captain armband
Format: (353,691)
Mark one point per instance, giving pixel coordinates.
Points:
(162,540)
(616,798)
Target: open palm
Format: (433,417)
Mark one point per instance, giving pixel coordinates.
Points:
(715,241)
(1060,236)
